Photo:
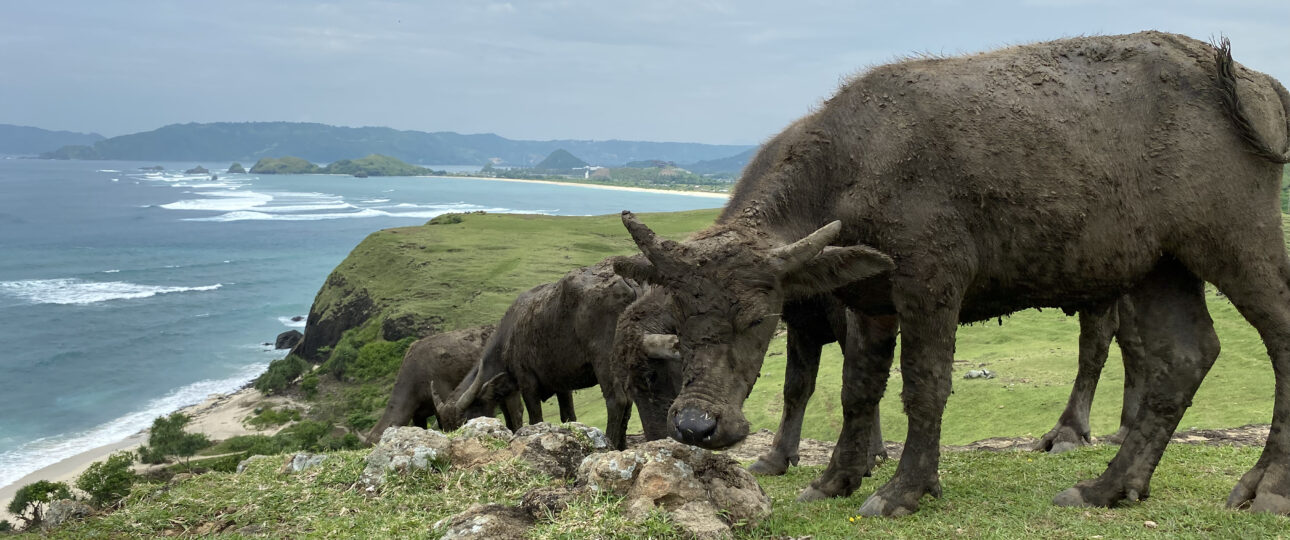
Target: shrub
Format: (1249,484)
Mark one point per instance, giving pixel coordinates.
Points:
(332,443)
(340,360)
(303,435)
(168,438)
(30,500)
(379,359)
(310,385)
(109,481)
(273,417)
(280,373)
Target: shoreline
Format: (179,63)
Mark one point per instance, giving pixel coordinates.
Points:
(219,416)
(709,194)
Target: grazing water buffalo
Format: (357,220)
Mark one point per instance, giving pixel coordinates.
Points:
(556,338)
(945,190)
(431,368)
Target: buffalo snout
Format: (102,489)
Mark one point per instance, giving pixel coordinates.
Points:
(694,426)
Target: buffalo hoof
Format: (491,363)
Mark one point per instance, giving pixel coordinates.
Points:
(1061,439)
(1266,488)
(894,501)
(1098,493)
(771,465)
(811,494)
(1118,437)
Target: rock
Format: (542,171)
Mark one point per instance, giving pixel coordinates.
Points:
(486,426)
(978,374)
(178,478)
(486,522)
(302,461)
(698,488)
(288,339)
(298,318)
(64,511)
(403,450)
(548,501)
(556,449)
(241,466)
(236,168)
(197,170)
(409,325)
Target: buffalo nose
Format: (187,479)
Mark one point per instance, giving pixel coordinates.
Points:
(694,425)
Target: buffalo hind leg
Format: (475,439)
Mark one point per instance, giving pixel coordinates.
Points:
(1096,326)
(1134,357)
(864,379)
(567,414)
(1181,346)
(803,365)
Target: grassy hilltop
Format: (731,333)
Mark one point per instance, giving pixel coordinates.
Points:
(464,270)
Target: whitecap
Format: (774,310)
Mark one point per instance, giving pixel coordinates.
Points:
(113,271)
(287,322)
(222,201)
(108,170)
(374,201)
(76,291)
(34,455)
(266,216)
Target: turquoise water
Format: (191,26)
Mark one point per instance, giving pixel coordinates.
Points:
(127,294)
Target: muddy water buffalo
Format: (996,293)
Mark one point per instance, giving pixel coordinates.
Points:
(937,191)
(556,338)
(431,368)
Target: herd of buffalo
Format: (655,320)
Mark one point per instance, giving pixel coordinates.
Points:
(1109,176)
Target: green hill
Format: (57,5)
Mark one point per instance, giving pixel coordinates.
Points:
(321,143)
(375,165)
(560,161)
(284,165)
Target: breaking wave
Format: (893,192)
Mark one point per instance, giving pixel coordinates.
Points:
(76,291)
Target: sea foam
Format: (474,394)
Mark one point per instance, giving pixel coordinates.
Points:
(34,455)
(76,291)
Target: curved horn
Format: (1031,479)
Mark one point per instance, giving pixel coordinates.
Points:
(660,346)
(463,401)
(794,255)
(654,248)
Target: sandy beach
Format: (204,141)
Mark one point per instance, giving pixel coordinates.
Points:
(596,186)
(219,416)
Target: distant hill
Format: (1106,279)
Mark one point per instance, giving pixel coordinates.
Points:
(320,143)
(373,165)
(30,141)
(732,165)
(560,160)
(285,165)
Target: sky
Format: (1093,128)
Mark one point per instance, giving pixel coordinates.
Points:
(662,70)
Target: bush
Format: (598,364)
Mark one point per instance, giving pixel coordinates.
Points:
(168,439)
(280,374)
(303,435)
(360,420)
(273,417)
(332,443)
(310,385)
(109,481)
(30,500)
(340,360)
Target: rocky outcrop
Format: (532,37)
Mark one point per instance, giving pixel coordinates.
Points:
(197,170)
(63,511)
(409,325)
(404,450)
(487,522)
(236,168)
(338,307)
(303,461)
(288,339)
(703,492)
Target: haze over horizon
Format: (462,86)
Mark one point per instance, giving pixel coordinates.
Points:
(712,72)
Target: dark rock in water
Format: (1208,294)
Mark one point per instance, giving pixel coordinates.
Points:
(197,170)
(288,339)
(236,168)
(360,174)
(214,177)
(409,325)
(298,318)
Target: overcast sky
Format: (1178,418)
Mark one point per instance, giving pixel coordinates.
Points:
(690,70)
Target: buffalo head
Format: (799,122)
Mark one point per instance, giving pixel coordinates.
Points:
(728,287)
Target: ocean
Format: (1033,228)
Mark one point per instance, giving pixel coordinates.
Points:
(126,294)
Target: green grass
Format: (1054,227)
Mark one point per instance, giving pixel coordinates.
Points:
(986,495)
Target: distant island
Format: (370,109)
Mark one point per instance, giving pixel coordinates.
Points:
(320,143)
(372,165)
(30,141)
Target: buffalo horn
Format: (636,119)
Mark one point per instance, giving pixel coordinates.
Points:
(794,255)
(651,245)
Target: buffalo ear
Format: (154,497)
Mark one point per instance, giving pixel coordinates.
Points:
(835,267)
(636,268)
(497,388)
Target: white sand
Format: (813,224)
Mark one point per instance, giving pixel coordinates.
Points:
(219,417)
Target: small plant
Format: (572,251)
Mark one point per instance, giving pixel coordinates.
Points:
(109,481)
(310,385)
(270,417)
(30,500)
(167,438)
(280,373)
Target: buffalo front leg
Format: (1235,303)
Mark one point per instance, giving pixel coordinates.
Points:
(864,379)
(1096,326)
(512,411)
(533,403)
(803,365)
(926,361)
(1181,346)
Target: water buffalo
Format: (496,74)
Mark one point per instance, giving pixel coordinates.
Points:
(936,191)
(556,338)
(431,368)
